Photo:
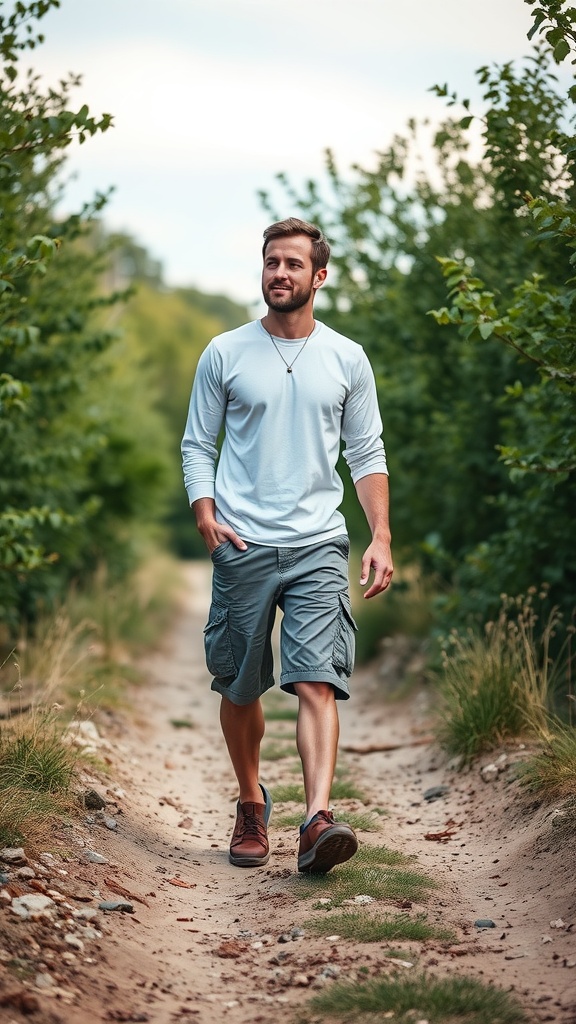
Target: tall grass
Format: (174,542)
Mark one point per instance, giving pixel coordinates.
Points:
(78,660)
(503,683)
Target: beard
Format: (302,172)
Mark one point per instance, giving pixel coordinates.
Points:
(289,302)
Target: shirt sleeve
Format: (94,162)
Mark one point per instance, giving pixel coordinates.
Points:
(205,418)
(362,426)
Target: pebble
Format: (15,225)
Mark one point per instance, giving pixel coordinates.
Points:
(74,941)
(484,922)
(32,905)
(125,908)
(436,792)
(111,823)
(4,878)
(330,971)
(44,980)
(297,933)
(490,772)
(300,979)
(94,858)
(558,924)
(93,801)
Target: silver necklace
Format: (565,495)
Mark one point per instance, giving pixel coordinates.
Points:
(301,349)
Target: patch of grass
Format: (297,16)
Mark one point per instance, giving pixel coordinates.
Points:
(382,855)
(182,723)
(290,792)
(363,928)
(552,772)
(35,758)
(277,751)
(359,821)
(27,816)
(342,789)
(500,684)
(438,1000)
(281,714)
(348,881)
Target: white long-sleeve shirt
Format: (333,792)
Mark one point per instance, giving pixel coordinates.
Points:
(275,480)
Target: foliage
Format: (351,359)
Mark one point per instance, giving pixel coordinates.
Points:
(446,402)
(363,928)
(503,684)
(354,879)
(82,464)
(551,773)
(460,999)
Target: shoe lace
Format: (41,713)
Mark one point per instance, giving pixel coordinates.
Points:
(252,825)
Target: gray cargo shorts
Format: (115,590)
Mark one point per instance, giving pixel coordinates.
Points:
(310,586)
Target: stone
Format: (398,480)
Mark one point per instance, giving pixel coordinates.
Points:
(301,980)
(484,922)
(25,873)
(32,905)
(121,905)
(93,801)
(93,858)
(44,980)
(111,823)
(558,924)
(436,792)
(13,855)
(489,772)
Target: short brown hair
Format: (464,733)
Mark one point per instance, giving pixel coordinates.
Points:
(294,226)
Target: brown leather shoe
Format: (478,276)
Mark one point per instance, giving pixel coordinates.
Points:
(324,843)
(249,844)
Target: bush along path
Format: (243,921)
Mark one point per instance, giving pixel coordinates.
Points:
(459,906)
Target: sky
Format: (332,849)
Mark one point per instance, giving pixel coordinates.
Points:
(212,98)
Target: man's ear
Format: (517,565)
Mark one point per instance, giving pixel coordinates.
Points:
(319,278)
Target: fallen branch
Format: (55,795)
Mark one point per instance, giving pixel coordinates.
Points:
(374,748)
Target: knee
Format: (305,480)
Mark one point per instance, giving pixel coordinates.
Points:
(315,694)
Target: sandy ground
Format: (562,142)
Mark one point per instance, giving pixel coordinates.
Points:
(203,942)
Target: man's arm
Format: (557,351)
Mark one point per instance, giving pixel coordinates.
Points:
(199,451)
(213,532)
(373,495)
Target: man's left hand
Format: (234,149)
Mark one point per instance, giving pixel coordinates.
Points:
(377,559)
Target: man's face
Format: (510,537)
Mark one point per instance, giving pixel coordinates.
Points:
(288,281)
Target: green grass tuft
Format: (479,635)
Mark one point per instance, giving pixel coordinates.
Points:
(552,772)
(382,855)
(364,928)
(277,751)
(359,821)
(438,1000)
(500,684)
(38,760)
(348,881)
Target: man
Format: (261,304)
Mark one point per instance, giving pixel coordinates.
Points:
(286,389)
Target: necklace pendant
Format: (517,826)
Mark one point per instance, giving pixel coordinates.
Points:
(289,370)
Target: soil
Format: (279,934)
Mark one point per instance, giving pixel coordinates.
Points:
(204,941)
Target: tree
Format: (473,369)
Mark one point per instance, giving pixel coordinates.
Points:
(62,438)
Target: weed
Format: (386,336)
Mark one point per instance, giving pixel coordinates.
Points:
(281,714)
(342,789)
(360,821)
(290,792)
(277,751)
(552,772)
(363,928)
(182,723)
(382,855)
(437,999)
(38,760)
(500,684)
(348,881)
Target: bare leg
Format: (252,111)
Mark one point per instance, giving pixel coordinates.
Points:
(317,734)
(243,728)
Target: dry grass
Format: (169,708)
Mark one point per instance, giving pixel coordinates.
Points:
(501,684)
(363,927)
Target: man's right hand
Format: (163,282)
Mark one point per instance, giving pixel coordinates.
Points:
(213,532)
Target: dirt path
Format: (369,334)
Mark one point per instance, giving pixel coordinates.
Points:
(204,944)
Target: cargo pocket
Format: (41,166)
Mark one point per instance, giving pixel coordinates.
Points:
(217,643)
(344,639)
